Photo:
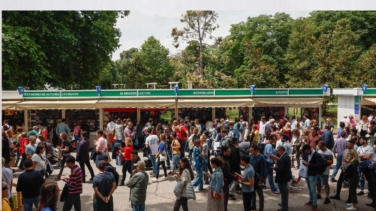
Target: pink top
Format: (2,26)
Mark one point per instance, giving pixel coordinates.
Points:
(101,144)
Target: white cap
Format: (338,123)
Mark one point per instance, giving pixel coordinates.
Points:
(345,115)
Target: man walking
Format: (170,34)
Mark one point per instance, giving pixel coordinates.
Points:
(313,161)
(82,156)
(138,185)
(271,155)
(327,156)
(234,164)
(29,184)
(228,177)
(338,149)
(283,176)
(62,127)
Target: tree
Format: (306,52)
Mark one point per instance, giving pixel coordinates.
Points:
(256,70)
(155,59)
(199,25)
(366,67)
(299,54)
(69,47)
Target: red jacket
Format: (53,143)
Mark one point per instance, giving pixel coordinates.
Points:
(23,142)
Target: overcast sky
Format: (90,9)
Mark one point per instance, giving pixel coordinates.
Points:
(140,25)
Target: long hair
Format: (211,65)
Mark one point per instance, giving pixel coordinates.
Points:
(49,194)
(187,165)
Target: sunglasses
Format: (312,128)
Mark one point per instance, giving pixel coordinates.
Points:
(5,188)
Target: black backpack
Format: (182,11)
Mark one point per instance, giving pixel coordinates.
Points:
(114,172)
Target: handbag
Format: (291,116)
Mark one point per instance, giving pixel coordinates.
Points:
(162,157)
(189,192)
(64,193)
(178,189)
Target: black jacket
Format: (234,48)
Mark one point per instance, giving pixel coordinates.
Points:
(83,150)
(227,175)
(314,164)
(6,149)
(283,169)
(234,159)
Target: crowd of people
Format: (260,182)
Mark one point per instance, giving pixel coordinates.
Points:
(221,158)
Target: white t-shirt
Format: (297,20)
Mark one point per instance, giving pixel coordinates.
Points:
(364,150)
(262,128)
(152,141)
(326,155)
(41,165)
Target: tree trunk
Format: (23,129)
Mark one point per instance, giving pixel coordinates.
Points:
(201,62)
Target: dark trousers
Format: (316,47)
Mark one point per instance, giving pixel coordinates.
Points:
(163,166)
(339,183)
(72,200)
(226,195)
(18,157)
(247,199)
(373,193)
(283,188)
(88,165)
(127,166)
(21,166)
(62,165)
(353,184)
(182,202)
(182,148)
(260,193)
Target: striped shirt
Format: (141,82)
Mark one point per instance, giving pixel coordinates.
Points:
(75,181)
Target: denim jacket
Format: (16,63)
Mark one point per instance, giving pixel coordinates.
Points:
(217,181)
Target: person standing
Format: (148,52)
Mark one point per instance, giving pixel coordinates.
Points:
(24,141)
(104,186)
(248,182)
(29,184)
(161,158)
(49,194)
(262,125)
(198,162)
(338,149)
(228,176)
(323,178)
(345,161)
(271,154)
(314,137)
(365,153)
(74,186)
(119,131)
(184,134)
(101,145)
(312,160)
(234,164)
(62,128)
(138,185)
(82,156)
(175,147)
(259,165)
(353,179)
(39,163)
(7,178)
(5,148)
(283,176)
(152,144)
(215,193)
(327,138)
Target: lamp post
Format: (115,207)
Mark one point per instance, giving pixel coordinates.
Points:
(176,91)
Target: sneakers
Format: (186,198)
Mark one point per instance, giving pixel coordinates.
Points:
(348,204)
(154,180)
(333,180)
(152,174)
(361,193)
(327,201)
(351,208)
(232,197)
(163,178)
(276,192)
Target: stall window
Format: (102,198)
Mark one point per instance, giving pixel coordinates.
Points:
(15,118)
(91,117)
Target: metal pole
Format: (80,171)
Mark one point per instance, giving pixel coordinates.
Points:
(176,107)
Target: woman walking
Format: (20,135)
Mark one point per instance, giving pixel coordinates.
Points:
(24,141)
(198,163)
(39,163)
(127,159)
(215,200)
(49,194)
(186,175)
(65,150)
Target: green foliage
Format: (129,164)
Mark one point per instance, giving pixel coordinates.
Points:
(59,48)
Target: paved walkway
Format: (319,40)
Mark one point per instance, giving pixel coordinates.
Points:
(160,196)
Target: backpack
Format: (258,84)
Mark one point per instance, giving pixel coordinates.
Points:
(225,141)
(115,173)
(323,166)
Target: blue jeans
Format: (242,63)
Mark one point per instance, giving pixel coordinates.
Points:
(183,145)
(361,181)
(338,166)
(112,145)
(28,203)
(311,183)
(138,207)
(169,158)
(261,138)
(198,181)
(175,161)
(154,163)
(269,172)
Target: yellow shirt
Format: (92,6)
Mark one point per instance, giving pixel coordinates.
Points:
(6,206)
(256,137)
(175,143)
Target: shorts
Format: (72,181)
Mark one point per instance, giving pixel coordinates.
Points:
(323,179)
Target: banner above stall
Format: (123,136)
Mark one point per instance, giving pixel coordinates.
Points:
(182,93)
